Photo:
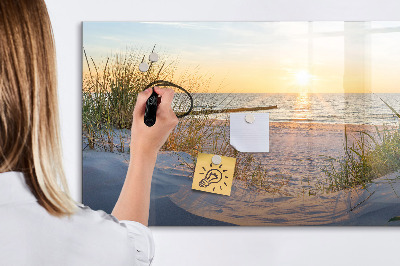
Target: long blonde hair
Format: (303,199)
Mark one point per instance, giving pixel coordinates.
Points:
(29,123)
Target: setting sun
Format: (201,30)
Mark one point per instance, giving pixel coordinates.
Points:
(303,77)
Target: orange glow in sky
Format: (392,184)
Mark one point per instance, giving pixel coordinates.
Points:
(263,57)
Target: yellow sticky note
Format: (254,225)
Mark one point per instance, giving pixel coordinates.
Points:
(211,177)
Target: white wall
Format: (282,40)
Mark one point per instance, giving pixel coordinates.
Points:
(220,246)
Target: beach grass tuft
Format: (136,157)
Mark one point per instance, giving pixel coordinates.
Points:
(369,156)
(108,99)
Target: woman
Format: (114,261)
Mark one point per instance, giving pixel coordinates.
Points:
(40,224)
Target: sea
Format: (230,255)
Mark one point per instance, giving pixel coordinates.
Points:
(331,108)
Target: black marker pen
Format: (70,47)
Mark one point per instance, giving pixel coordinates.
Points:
(151,109)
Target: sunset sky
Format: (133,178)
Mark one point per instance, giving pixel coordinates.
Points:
(262,57)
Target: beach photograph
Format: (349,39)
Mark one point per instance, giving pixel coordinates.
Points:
(330,90)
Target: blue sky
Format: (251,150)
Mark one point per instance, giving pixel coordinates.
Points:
(249,56)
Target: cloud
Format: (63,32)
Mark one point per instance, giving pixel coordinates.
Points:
(186,25)
(111,38)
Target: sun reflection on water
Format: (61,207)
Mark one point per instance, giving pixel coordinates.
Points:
(302,107)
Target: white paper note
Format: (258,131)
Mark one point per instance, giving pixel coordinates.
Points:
(249,137)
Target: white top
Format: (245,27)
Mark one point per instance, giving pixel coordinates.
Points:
(29,235)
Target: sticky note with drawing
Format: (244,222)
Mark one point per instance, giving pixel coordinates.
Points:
(214,174)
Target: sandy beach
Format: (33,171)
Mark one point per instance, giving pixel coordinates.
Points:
(297,153)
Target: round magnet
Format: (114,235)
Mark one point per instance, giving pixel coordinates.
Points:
(143,67)
(153,57)
(216,159)
(250,118)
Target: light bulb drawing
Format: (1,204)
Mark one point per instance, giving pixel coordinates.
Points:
(214,175)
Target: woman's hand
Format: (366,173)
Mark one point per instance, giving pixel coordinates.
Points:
(148,140)
(134,201)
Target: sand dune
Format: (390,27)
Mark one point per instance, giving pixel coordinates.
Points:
(173,202)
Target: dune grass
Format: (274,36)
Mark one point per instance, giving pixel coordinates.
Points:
(369,156)
(109,96)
